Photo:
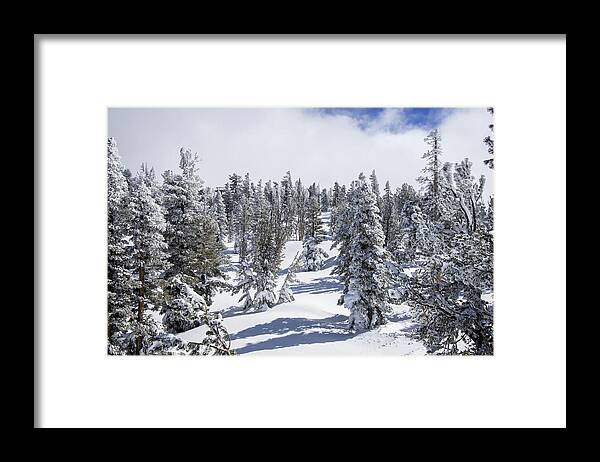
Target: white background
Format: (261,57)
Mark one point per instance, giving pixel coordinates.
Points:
(523,384)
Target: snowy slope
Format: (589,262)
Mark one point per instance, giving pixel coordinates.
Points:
(313,323)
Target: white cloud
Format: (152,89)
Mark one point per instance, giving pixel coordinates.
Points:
(316,147)
(390,120)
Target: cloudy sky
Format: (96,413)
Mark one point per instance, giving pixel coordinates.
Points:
(320,145)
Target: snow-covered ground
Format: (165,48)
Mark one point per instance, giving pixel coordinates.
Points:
(313,323)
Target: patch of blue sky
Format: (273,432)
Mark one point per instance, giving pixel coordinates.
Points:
(391,119)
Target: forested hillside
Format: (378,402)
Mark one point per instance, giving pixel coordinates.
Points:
(289,264)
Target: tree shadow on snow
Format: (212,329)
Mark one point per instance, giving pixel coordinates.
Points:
(233,310)
(301,332)
(328,263)
(318,286)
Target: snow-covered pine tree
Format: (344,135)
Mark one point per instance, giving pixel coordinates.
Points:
(226,195)
(374,183)
(276,215)
(489,141)
(183,307)
(447,290)
(285,293)
(258,212)
(412,237)
(301,200)
(335,199)
(266,256)
(216,341)
(314,223)
(388,214)
(432,173)
(149,258)
(245,283)
(243,219)
(335,194)
(403,195)
(242,226)
(325,201)
(120,283)
(220,215)
(151,181)
(234,193)
(182,199)
(211,259)
(489,215)
(407,224)
(313,257)
(344,215)
(338,203)
(466,193)
(258,271)
(454,271)
(265,296)
(368,277)
(288,204)
(375,187)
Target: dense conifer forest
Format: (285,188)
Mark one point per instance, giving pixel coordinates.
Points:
(185,259)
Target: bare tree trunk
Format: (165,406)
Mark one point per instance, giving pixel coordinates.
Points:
(474,212)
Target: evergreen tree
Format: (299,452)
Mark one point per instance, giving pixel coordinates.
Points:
(431,179)
(210,259)
(446,292)
(411,239)
(406,225)
(183,234)
(149,257)
(216,342)
(335,194)
(234,194)
(266,257)
(454,271)
(285,293)
(403,195)
(335,199)
(149,177)
(338,204)
(259,270)
(344,213)
(242,225)
(314,223)
(325,200)
(388,214)
(277,219)
(313,256)
(374,183)
(120,283)
(466,193)
(301,209)
(183,306)
(220,215)
(245,283)
(288,204)
(368,278)
(489,142)
(489,215)
(375,188)
(243,219)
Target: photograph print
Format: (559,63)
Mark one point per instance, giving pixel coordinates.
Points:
(310,231)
